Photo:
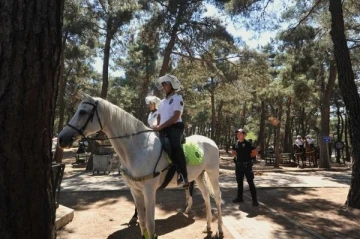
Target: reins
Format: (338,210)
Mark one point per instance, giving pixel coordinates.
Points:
(123,136)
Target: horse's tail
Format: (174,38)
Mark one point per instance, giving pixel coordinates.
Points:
(208,184)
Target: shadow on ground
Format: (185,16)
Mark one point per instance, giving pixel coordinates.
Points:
(321,210)
(163,226)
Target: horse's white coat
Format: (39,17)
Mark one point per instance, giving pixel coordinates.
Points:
(139,155)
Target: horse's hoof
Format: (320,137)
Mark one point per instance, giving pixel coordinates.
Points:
(207,229)
(219,235)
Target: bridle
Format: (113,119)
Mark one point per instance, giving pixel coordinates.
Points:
(90,118)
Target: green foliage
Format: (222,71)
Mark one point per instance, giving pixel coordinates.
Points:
(289,72)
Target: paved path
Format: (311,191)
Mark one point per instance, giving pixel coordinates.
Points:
(249,221)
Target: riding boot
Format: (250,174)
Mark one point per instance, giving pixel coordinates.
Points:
(181,163)
(182,174)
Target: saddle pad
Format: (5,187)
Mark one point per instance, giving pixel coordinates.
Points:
(193,154)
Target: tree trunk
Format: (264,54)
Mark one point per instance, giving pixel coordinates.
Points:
(347,151)
(173,35)
(30,47)
(219,123)
(213,113)
(243,115)
(261,136)
(287,134)
(349,93)
(170,46)
(62,86)
(339,130)
(327,89)
(277,137)
(105,73)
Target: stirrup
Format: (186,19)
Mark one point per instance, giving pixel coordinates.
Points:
(183,181)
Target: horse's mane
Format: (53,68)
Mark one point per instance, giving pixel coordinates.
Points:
(127,123)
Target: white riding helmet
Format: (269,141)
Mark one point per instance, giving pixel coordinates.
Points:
(299,137)
(152,99)
(174,81)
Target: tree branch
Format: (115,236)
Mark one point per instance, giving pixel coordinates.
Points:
(266,5)
(307,15)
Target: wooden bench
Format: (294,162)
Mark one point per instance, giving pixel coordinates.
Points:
(285,158)
(269,159)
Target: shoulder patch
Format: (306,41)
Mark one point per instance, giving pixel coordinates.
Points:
(181,103)
(170,102)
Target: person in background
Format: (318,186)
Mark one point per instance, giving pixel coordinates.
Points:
(310,141)
(244,151)
(153,104)
(300,143)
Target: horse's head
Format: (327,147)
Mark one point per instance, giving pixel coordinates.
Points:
(86,120)
(306,143)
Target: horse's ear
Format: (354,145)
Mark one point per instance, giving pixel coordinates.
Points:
(80,95)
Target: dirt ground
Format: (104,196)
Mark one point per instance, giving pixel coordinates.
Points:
(105,214)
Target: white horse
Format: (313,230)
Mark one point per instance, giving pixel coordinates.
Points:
(142,160)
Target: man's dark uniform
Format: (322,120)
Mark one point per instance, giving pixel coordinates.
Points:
(243,167)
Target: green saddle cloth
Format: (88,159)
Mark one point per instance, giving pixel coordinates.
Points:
(193,154)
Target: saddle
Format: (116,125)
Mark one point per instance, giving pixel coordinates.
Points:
(165,142)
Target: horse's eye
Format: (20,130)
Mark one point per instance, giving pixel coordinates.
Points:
(82,112)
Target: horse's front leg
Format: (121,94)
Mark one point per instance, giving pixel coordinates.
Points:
(149,199)
(140,208)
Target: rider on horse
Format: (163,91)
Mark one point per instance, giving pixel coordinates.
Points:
(310,141)
(300,143)
(153,103)
(170,122)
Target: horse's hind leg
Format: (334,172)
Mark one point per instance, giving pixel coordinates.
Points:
(205,193)
(214,178)
(189,193)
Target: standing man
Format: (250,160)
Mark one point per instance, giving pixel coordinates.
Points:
(170,122)
(244,151)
